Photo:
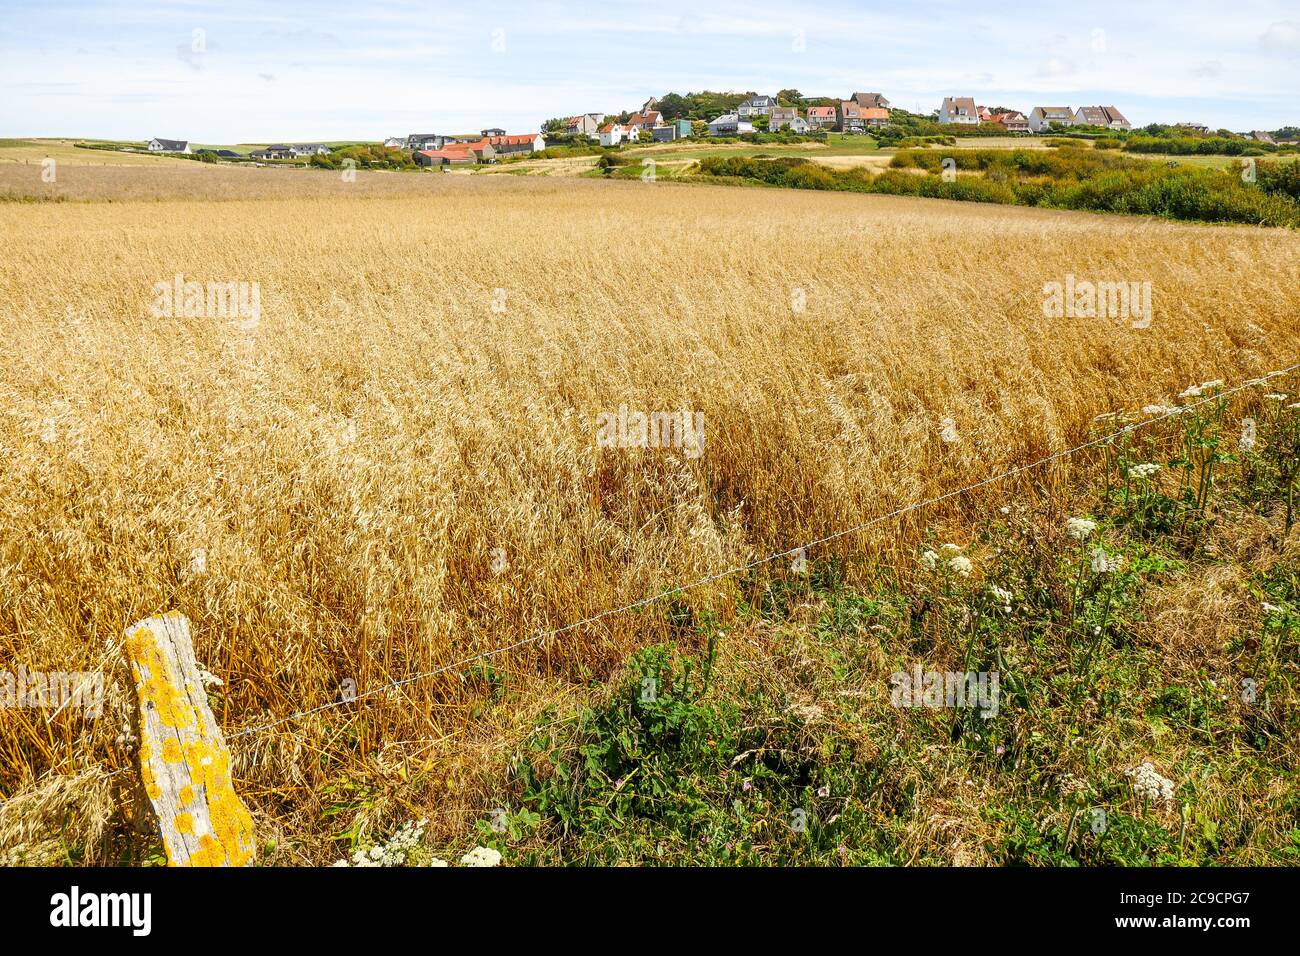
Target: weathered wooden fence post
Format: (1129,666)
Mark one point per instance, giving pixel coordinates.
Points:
(184,763)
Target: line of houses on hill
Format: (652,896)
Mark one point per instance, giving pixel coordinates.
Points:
(963,111)
(860,113)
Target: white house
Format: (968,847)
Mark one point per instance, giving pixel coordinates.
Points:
(959,109)
(395,142)
(168,146)
(756,106)
(729,124)
(611,134)
(786,116)
(310,149)
(1042,117)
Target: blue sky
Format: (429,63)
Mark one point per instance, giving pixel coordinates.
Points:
(242,71)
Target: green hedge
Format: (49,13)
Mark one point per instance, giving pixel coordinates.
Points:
(1065,179)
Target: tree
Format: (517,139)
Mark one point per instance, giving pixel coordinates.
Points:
(673,106)
(699,129)
(789,98)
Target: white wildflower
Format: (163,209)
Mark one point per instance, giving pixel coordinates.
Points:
(950,550)
(1143,471)
(1192,391)
(1277,396)
(1103,563)
(435,862)
(481,856)
(1080,528)
(1149,784)
(392,853)
(960,565)
(929,560)
(1270,608)
(1002,597)
(1249,434)
(1155,410)
(1216,383)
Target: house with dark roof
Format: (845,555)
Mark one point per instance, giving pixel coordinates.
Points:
(274,151)
(310,149)
(168,146)
(1107,116)
(755,106)
(427,141)
(870,101)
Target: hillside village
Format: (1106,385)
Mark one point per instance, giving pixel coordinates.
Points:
(752,115)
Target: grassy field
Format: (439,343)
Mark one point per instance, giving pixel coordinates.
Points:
(395,465)
(65,151)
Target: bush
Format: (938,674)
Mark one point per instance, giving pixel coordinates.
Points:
(1064,179)
(1282,179)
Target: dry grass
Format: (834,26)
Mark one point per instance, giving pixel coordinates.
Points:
(65,152)
(350,464)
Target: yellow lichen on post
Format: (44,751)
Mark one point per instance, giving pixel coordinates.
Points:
(184,763)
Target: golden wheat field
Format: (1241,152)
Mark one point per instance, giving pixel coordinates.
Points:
(395,467)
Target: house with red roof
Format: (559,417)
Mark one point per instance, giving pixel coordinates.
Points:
(611,134)
(646,121)
(821,117)
(1014,122)
(457,154)
(507,145)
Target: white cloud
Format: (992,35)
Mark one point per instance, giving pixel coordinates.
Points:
(1056,67)
(1281,37)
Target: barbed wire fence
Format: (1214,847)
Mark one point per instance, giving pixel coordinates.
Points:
(1166,414)
(805,547)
